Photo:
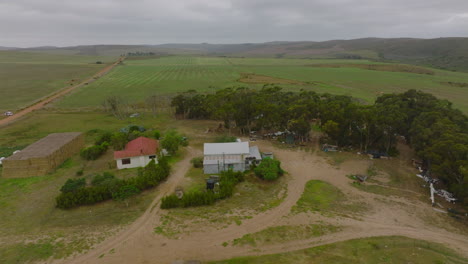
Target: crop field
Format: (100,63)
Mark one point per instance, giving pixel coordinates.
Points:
(137,79)
(28,77)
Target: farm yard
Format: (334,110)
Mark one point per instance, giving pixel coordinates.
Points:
(172,74)
(338,219)
(28,77)
(258,217)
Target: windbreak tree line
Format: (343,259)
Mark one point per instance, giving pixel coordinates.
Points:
(106,186)
(436,131)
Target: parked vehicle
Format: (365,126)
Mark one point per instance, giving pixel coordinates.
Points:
(8,113)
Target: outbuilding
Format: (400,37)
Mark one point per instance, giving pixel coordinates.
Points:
(43,156)
(236,156)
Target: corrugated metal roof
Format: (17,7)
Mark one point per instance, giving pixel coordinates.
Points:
(226,148)
(254,152)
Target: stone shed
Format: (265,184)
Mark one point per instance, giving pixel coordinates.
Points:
(43,156)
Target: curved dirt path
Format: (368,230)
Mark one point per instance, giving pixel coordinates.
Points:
(139,244)
(56,95)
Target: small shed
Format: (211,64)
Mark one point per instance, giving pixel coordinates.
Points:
(43,156)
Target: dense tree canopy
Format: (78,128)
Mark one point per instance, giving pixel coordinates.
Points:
(436,131)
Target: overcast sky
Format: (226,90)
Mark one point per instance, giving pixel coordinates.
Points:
(25,23)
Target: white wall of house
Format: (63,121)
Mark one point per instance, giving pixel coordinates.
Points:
(135,162)
(214,164)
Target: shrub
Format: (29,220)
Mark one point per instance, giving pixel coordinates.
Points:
(105,137)
(157,134)
(72,185)
(125,192)
(269,169)
(172,141)
(197,162)
(170,201)
(94,152)
(106,186)
(80,172)
(119,140)
(100,179)
(227,182)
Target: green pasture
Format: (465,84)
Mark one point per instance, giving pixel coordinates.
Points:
(138,79)
(28,77)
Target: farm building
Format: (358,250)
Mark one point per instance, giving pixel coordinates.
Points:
(137,153)
(237,156)
(43,156)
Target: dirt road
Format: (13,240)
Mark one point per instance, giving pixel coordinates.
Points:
(139,244)
(57,95)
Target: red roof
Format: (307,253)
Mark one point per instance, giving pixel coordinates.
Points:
(138,147)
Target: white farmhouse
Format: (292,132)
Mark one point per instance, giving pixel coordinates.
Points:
(238,156)
(137,153)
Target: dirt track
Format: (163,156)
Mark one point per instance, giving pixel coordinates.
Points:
(138,243)
(56,95)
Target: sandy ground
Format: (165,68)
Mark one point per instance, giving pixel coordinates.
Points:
(55,96)
(139,244)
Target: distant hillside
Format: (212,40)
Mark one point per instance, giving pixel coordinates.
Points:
(444,53)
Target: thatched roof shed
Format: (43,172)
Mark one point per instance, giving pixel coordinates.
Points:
(43,156)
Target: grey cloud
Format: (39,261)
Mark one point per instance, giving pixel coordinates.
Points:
(66,22)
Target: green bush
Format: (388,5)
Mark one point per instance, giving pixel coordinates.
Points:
(269,169)
(119,140)
(101,179)
(94,152)
(105,137)
(172,141)
(227,182)
(72,185)
(106,186)
(197,162)
(157,134)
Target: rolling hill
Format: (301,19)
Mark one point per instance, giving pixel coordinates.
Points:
(443,53)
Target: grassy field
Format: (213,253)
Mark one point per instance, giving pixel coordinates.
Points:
(27,77)
(31,227)
(137,79)
(283,234)
(325,198)
(369,250)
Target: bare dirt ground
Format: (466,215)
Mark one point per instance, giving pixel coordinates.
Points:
(388,216)
(55,96)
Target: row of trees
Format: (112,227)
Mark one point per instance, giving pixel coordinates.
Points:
(104,187)
(228,180)
(436,131)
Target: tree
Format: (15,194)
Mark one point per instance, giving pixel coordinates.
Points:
(119,140)
(116,106)
(300,126)
(171,142)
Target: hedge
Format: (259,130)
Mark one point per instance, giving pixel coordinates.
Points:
(227,182)
(105,187)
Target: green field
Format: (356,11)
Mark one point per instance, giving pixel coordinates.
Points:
(137,79)
(28,77)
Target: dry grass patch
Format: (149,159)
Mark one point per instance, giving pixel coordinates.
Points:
(281,234)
